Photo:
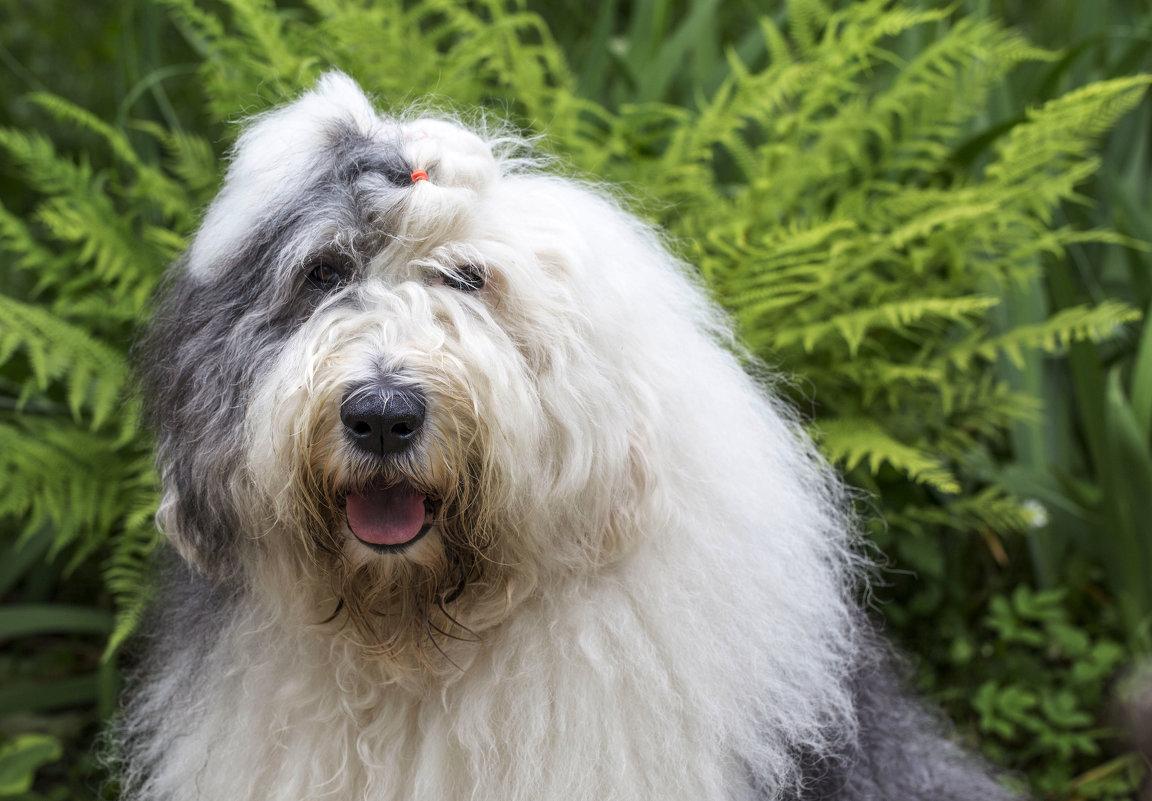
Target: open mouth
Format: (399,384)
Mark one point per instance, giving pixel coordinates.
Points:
(389,519)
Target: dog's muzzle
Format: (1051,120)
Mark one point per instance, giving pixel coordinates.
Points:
(382,419)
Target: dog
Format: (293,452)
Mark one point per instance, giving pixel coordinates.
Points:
(470,496)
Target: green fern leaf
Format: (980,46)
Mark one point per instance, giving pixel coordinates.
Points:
(850,442)
(898,316)
(68,111)
(1054,335)
(95,374)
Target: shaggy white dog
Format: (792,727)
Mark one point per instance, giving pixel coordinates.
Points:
(474,500)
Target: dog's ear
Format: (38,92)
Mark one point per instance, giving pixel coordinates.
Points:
(192,400)
(197,523)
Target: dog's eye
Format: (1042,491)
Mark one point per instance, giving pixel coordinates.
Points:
(324,274)
(465,277)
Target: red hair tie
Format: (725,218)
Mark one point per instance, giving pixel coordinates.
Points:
(419,175)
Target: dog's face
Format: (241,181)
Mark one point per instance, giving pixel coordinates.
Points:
(396,375)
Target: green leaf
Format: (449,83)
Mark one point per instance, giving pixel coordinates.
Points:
(21,620)
(1141,398)
(25,696)
(22,757)
(853,441)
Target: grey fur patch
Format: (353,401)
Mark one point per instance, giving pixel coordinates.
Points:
(210,341)
(903,751)
(175,639)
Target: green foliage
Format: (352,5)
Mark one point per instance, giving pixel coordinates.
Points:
(73,460)
(833,173)
(472,53)
(833,209)
(76,477)
(20,758)
(1039,685)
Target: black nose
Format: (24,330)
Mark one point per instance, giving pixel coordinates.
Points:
(381,419)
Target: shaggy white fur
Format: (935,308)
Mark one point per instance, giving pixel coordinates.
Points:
(635,576)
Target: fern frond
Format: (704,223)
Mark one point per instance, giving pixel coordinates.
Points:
(66,110)
(792,249)
(806,21)
(259,23)
(94,374)
(941,211)
(128,568)
(897,316)
(1054,242)
(1045,157)
(81,214)
(990,509)
(866,24)
(17,240)
(190,158)
(852,441)
(41,166)
(1054,335)
(948,81)
(105,243)
(57,475)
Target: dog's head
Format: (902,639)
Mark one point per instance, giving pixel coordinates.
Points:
(402,373)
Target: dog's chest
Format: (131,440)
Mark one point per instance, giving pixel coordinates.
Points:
(526,721)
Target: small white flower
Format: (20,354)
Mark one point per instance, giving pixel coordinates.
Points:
(1035,513)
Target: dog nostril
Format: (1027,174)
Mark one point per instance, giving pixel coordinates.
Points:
(361,429)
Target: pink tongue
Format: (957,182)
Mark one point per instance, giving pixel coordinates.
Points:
(389,516)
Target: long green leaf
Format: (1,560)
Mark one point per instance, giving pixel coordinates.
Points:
(21,620)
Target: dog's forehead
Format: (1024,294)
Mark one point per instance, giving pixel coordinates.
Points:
(331,136)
